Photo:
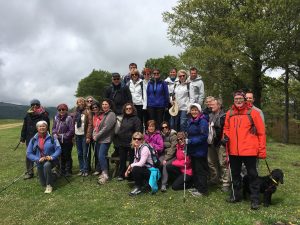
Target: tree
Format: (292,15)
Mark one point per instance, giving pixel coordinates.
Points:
(94,84)
(231,39)
(164,64)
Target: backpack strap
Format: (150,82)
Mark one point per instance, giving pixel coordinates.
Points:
(188,88)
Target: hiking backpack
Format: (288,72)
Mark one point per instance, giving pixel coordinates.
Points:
(156,162)
(253,129)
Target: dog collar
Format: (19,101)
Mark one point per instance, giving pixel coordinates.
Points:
(274,180)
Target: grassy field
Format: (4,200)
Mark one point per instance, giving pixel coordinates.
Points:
(85,202)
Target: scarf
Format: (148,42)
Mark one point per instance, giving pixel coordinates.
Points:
(78,116)
(41,144)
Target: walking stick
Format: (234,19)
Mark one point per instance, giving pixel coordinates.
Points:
(184,175)
(229,167)
(63,175)
(17,146)
(18,178)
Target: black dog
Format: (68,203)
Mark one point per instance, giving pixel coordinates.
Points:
(267,185)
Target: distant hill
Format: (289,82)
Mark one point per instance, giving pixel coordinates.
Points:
(13,111)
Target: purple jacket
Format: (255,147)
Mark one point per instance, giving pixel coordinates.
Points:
(63,127)
(156,141)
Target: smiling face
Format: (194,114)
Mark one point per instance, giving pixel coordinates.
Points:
(193,74)
(62,111)
(105,106)
(194,111)
(80,103)
(182,77)
(156,74)
(42,129)
(250,98)
(215,107)
(239,101)
(172,73)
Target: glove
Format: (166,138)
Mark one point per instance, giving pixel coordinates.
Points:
(224,140)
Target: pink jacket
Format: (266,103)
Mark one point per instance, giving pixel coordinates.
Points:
(156,141)
(179,161)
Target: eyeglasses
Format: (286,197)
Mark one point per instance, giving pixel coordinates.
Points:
(61,110)
(147,74)
(239,99)
(89,100)
(129,108)
(134,75)
(117,78)
(137,139)
(164,127)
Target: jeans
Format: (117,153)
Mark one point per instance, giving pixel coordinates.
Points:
(45,173)
(82,153)
(102,153)
(180,121)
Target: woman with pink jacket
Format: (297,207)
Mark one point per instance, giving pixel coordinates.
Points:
(176,170)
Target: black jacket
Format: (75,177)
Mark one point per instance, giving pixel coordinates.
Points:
(129,125)
(119,96)
(29,125)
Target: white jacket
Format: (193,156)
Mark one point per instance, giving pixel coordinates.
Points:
(136,92)
(145,85)
(183,96)
(197,88)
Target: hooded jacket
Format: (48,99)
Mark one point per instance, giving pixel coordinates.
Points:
(183,95)
(136,90)
(51,148)
(197,136)
(157,94)
(197,87)
(106,128)
(179,161)
(156,141)
(63,127)
(237,128)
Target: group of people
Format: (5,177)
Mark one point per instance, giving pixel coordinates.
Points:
(145,116)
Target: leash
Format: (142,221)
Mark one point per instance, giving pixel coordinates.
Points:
(276,183)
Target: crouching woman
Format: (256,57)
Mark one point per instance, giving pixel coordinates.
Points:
(44,151)
(141,168)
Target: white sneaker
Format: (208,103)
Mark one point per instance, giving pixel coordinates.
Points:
(48,189)
(103,178)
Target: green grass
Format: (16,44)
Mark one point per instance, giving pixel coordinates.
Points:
(8,121)
(85,202)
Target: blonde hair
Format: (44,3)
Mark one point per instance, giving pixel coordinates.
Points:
(136,135)
(80,99)
(182,71)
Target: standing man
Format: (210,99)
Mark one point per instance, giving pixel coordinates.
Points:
(250,98)
(35,114)
(245,131)
(197,86)
(127,77)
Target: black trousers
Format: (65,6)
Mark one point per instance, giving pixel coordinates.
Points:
(124,152)
(140,114)
(140,175)
(66,161)
(200,173)
(236,165)
(177,177)
(156,114)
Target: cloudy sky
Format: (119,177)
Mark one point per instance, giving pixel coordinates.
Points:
(46,47)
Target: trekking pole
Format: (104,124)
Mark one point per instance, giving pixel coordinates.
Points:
(18,178)
(86,160)
(63,175)
(184,175)
(93,159)
(15,148)
(230,173)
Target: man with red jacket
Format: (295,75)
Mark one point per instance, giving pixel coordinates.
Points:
(244,131)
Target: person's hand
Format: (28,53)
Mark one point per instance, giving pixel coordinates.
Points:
(22,142)
(88,140)
(42,159)
(128,171)
(48,158)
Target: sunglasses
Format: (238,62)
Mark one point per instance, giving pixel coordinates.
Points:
(128,108)
(89,100)
(95,107)
(116,78)
(164,127)
(134,75)
(155,73)
(137,139)
(61,110)
(180,139)
(35,105)
(181,76)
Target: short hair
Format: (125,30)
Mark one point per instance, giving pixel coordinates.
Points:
(156,70)
(193,69)
(151,122)
(111,104)
(173,69)
(209,98)
(136,135)
(145,70)
(219,101)
(132,64)
(135,71)
(42,122)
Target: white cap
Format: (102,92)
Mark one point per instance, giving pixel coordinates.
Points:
(194,105)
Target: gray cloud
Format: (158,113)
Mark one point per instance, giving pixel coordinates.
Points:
(46,47)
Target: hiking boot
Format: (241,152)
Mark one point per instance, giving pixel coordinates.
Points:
(254,205)
(225,189)
(135,191)
(163,188)
(103,178)
(49,189)
(28,176)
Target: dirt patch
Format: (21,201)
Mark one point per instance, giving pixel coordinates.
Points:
(296,164)
(10,125)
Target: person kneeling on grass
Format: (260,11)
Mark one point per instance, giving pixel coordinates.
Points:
(180,166)
(44,151)
(142,167)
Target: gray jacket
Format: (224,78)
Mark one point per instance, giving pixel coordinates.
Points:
(106,128)
(197,87)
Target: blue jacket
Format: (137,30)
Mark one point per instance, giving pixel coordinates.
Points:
(197,137)
(154,177)
(157,94)
(51,148)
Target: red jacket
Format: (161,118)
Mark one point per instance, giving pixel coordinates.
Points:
(179,161)
(237,127)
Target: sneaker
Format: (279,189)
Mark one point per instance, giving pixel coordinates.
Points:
(163,188)
(96,173)
(192,190)
(28,176)
(48,189)
(120,178)
(103,178)
(80,173)
(86,174)
(135,191)
(225,189)
(198,194)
